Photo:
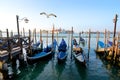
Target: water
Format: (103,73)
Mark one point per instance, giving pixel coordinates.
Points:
(96,69)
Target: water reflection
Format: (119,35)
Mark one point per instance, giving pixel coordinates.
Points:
(32,71)
(1,76)
(81,70)
(60,68)
(82,44)
(17,66)
(113,70)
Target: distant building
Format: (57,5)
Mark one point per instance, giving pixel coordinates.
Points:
(63,31)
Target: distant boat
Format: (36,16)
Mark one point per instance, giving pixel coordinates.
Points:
(78,53)
(62,51)
(82,40)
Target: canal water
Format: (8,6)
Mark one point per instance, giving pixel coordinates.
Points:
(96,68)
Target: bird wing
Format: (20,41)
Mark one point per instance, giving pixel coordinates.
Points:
(43,13)
(52,15)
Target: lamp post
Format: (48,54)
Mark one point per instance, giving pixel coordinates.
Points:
(17,18)
(19,41)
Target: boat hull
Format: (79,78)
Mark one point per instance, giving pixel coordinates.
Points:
(101,51)
(61,56)
(79,58)
(39,57)
(79,55)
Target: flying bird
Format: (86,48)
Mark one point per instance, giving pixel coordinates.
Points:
(48,15)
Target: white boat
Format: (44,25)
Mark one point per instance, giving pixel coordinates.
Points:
(78,53)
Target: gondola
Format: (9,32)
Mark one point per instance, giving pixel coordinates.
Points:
(82,40)
(103,47)
(78,53)
(62,51)
(43,55)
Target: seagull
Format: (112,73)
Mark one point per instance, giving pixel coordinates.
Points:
(48,15)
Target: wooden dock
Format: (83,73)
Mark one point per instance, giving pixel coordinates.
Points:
(13,48)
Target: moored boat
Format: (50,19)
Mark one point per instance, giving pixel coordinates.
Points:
(45,54)
(62,51)
(82,40)
(103,47)
(61,56)
(78,53)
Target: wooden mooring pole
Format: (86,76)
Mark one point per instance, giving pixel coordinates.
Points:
(11,34)
(23,32)
(0,33)
(89,43)
(30,49)
(79,37)
(35,37)
(47,39)
(68,39)
(19,40)
(105,40)
(9,66)
(41,42)
(71,42)
(17,18)
(9,47)
(116,49)
(53,38)
(114,35)
(97,39)
(57,38)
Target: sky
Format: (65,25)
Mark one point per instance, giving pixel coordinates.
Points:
(82,15)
